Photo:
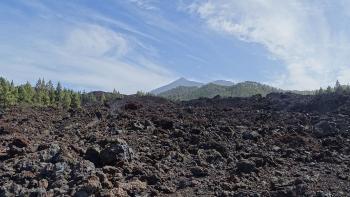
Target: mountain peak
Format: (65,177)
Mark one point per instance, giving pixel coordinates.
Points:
(177,83)
(181,79)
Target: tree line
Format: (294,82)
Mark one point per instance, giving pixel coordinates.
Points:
(46,94)
(338,88)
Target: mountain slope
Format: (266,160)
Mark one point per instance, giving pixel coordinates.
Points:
(180,82)
(210,90)
(223,82)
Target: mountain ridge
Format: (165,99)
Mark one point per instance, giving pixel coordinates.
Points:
(188,83)
(210,90)
(223,82)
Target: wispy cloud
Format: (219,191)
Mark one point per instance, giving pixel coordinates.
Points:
(296,32)
(82,53)
(95,41)
(145,4)
(103,53)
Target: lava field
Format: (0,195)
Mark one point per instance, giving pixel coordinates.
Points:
(278,145)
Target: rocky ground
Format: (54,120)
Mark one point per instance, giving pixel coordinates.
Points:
(279,145)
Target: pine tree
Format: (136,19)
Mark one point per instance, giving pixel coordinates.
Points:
(45,97)
(66,99)
(92,98)
(102,98)
(51,91)
(338,87)
(2,96)
(84,97)
(116,94)
(337,84)
(58,93)
(140,93)
(2,91)
(320,91)
(8,98)
(75,100)
(347,89)
(329,90)
(37,99)
(13,94)
(29,92)
(25,94)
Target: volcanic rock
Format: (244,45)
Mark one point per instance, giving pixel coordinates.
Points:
(199,172)
(325,129)
(48,155)
(165,123)
(246,166)
(279,145)
(250,135)
(116,152)
(20,142)
(93,154)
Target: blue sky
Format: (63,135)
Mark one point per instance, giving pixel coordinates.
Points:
(135,45)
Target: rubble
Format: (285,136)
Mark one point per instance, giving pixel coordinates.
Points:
(278,145)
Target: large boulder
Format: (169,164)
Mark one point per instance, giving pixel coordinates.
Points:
(199,172)
(48,155)
(250,135)
(132,106)
(165,123)
(20,142)
(93,154)
(116,152)
(246,166)
(325,129)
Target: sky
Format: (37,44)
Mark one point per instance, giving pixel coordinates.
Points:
(132,45)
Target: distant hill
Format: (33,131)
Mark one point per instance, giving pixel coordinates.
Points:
(223,83)
(183,89)
(210,90)
(244,89)
(180,82)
